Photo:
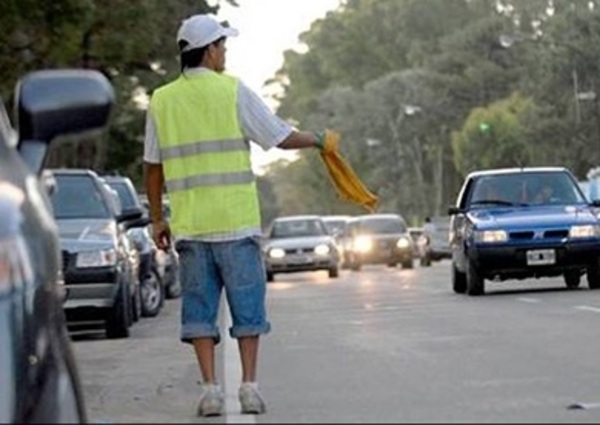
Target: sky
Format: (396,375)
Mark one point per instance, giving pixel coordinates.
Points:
(267,28)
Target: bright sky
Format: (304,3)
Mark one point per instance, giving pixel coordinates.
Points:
(267,28)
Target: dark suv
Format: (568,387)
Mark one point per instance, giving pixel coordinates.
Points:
(38,375)
(98,274)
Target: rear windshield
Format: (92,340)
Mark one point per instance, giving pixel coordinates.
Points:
(125,195)
(77,196)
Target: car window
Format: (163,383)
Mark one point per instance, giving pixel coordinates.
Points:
(125,195)
(297,228)
(383,226)
(335,226)
(526,189)
(77,196)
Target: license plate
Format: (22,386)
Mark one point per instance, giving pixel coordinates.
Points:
(541,257)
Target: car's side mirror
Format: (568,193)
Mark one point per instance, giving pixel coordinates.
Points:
(452,210)
(56,102)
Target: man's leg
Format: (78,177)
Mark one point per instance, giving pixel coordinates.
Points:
(249,355)
(205,353)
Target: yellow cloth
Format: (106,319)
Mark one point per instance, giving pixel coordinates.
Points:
(345,181)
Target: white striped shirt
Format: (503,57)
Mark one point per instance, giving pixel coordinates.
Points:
(258,124)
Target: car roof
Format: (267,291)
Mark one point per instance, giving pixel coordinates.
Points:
(298,217)
(335,217)
(74,171)
(377,216)
(515,170)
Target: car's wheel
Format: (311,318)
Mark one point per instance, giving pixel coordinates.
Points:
(136,304)
(572,279)
(117,322)
(391,264)
(425,261)
(408,264)
(152,296)
(334,271)
(459,280)
(593,275)
(270,276)
(475,282)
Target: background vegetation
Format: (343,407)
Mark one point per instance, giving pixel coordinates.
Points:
(422,91)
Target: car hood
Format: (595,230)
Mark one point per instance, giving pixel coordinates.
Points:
(538,216)
(82,234)
(303,242)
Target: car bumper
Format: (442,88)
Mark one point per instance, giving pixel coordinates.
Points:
(512,261)
(385,256)
(95,287)
(311,263)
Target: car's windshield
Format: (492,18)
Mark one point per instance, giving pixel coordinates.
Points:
(335,226)
(379,226)
(77,196)
(125,195)
(525,189)
(297,228)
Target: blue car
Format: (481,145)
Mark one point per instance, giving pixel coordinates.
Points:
(523,223)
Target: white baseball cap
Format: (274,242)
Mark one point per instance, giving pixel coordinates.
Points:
(201,30)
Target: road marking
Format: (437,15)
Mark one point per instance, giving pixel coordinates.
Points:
(587,308)
(232,371)
(528,300)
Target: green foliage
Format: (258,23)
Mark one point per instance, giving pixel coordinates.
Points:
(502,142)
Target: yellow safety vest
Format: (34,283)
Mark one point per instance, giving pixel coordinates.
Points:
(206,161)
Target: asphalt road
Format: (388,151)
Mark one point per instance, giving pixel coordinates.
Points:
(377,346)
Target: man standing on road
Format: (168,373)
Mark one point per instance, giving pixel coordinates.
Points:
(198,130)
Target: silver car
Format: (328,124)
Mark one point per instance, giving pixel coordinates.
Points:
(300,243)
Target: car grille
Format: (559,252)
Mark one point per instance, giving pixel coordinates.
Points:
(547,234)
(299,251)
(66,259)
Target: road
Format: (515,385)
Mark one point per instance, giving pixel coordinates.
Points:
(377,346)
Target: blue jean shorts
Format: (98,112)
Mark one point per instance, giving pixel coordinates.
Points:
(208,267)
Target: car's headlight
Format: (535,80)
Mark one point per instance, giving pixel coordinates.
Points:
(403,243)
(363,244)
(584,231)
(490,236)
(101,258)
(322,249)
(276,253)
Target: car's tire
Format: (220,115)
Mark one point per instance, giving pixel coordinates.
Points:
(270,276)
(153,295)
(425,261)
(392,264)
(593,274)
(136,304)
(408,264)
(572,279)
(459,280)
(334,271)
(475,282)
(117,322)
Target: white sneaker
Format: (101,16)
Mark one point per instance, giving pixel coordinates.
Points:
(211,401)
(250,399)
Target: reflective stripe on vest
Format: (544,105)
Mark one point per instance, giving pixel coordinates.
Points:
(206,161)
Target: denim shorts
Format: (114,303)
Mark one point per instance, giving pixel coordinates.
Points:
(208,267)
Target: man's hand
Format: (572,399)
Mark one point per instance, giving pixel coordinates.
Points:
(161,234)
(328,140)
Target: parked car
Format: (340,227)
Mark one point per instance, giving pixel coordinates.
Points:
(503,228)
(101,285)
(434,243)
(39,379)
(299,243)
(415,234)
(153,286)
(380,239)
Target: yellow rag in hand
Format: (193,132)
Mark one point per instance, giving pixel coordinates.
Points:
(345,181)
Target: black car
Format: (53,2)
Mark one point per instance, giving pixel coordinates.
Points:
(380,239)
(98,271)
(39,381)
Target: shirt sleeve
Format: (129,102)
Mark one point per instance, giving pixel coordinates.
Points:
(151,150)
(259,124)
